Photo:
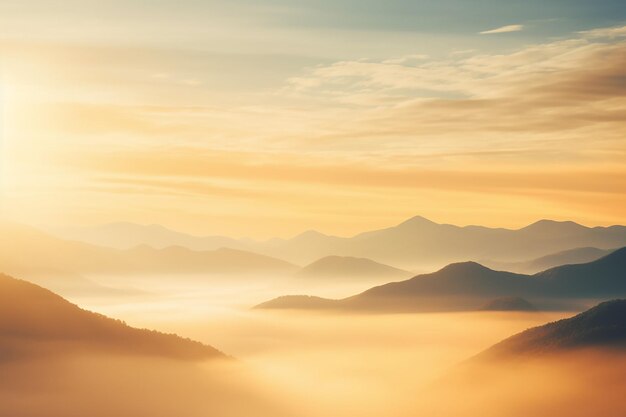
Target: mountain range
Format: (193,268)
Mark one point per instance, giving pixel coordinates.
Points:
(413,244)
(468,285)
(35,255)
(364,259)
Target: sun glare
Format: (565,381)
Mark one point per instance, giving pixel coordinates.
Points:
(284,208)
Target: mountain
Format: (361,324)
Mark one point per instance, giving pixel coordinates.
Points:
(58,360)
(601,326)
(571,256)
(508,304)
(176,259)
(35,320)
(297,302)
(30,253)
(419,242)
(605,277)
(573,367)
(468,285)
(125,235)
(413,244)
(459,286)
(338,267)
(459,278)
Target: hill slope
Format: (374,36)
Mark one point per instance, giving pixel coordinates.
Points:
(601,278)
(567,257)
(298,302)
(601,326)
(350,267)
(36,320)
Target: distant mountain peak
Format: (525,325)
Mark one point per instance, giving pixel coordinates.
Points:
(338,266)
(310,234)
(297,302)
(417,221)
(552,226)
(465,267)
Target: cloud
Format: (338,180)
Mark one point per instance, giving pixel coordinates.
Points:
(406,59)
(503,29)
(611,33)
(547,120)
(478,76)
(567,94)
(190,165)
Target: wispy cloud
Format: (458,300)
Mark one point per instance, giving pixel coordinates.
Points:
(611,33)
(503,29)
(548,120)
(407,59)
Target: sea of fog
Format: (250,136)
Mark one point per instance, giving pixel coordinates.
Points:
(361,364)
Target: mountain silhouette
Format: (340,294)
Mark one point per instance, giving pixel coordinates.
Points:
(601,326)
(412,244)
(601,278)
(178,259)
(37,256)
(468,285)
(570,367)
(34,320)
(350,267)
(458,278)
(567,257)
(298,302)
(551,227)
(508,304)
(418,241)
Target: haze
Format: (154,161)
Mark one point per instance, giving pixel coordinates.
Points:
(284,208)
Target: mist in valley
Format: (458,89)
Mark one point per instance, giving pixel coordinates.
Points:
(321,363)
(280,208)
(310,364)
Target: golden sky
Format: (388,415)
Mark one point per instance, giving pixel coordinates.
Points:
(237,124)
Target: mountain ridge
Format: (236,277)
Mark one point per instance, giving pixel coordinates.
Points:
(334,266)
(418,241)
(61,258)
(570,256)
(467,285)
(34,317)
(602,325)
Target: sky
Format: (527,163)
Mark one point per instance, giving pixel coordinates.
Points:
(268,118)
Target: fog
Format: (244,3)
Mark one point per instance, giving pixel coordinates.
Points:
(324,363)
(310,364)
(578,383)
(111,385)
